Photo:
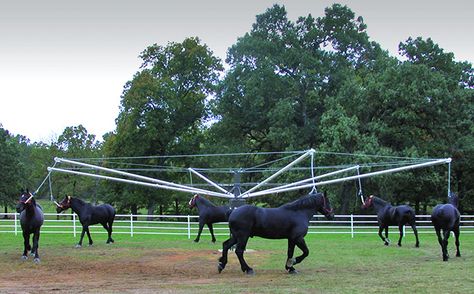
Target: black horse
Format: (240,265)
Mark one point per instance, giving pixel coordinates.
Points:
(89,214)
(31,220)
(209,213)
(446,217)
(289,221)
(387,215)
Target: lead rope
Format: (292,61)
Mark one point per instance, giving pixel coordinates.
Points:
(314,190)
(359,193)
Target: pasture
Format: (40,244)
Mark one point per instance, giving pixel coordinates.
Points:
(175,264)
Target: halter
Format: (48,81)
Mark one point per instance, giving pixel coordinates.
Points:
(68,204)
(192,202)
(27,200)
(327,211)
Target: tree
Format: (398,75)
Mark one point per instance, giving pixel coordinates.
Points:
(163,108)
(10,169)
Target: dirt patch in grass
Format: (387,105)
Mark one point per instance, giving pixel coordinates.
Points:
(122,270)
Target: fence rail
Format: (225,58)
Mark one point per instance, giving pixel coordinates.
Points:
(188,225)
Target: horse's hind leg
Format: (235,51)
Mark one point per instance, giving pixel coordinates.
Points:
(239,251)
(445,245)
(225,249)
(109,232)
(415,231)
(211,229)
(400,228)
(440,240)
(110,223)
(456,236)
(290,261)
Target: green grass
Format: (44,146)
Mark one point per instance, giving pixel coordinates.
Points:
(336,264)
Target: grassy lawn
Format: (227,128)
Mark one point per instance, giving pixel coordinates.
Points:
(336,264)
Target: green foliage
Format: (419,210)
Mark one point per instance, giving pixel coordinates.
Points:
(10,169)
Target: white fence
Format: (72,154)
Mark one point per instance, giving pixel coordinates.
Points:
(187,225)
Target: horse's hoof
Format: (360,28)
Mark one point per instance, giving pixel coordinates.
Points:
(36,260)
(78,246)
(445,258)
(220,267)
(386,243)
(293,272)
(24,257)
(399,245)
(196,241)
(290,262)
(458,254)
(417,245)
(250,272)
(214,241)
(90,245)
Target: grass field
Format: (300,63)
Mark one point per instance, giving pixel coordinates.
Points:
(174,264)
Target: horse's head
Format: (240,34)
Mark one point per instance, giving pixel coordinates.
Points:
(26,200)
(326,208)
(453,199)
(368,202)
(192,201)
(63,205)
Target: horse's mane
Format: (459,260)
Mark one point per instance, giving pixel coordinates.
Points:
(80,201)
(206,201)
(307,201)
(381,201)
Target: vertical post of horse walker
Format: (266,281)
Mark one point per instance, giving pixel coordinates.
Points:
(352,226)
(16,224)
(189,227)
(449,178)
(131,225)
(74,224)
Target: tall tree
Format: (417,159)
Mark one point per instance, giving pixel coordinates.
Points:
(10,169)
(164,106)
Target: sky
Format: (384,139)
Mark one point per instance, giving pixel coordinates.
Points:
(64,63)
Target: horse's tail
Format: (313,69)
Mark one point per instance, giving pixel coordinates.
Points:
(227,213)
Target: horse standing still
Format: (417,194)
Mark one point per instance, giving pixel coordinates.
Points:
(446,217)
(289,221)
(388,215)
(209,213)
(31,220)
(89,214)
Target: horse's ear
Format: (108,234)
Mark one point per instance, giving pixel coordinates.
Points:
(68,197)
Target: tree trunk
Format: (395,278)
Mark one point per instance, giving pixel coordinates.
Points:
(151,209)
(6,211)
(176,206)
(134,210)
(345,199)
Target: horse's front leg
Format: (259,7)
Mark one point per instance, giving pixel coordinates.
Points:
(26,245)
(225,249)
(456,236)
(400,228)
(201,226)
(386,242)
(300,242)
(36,237)
(211,229)
(290,261)
(89,236)
(82,237)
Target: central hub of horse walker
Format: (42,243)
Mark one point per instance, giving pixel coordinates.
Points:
(237,201)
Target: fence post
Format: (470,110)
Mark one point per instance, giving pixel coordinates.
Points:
(131,225)
(404,231)
(189,227)
(352,226)
(74,224)
(16,224)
